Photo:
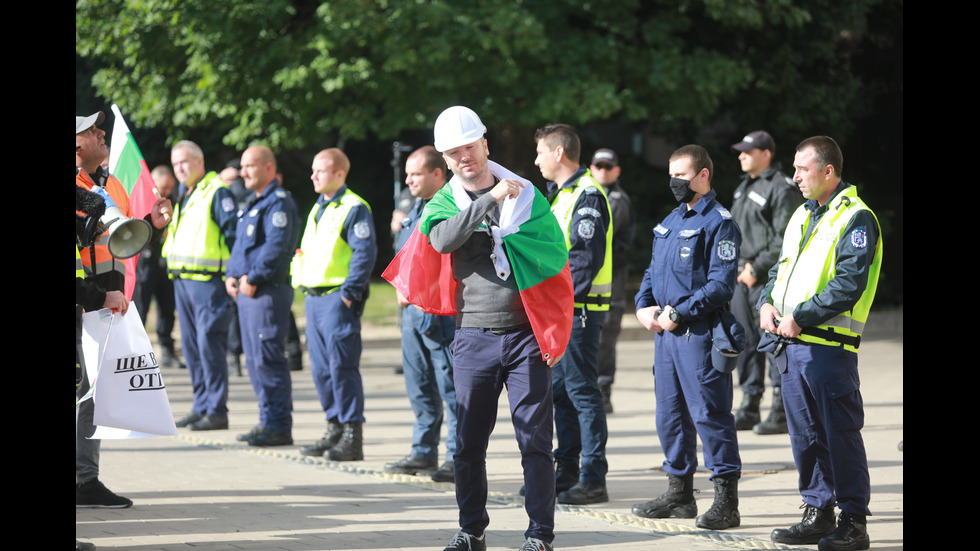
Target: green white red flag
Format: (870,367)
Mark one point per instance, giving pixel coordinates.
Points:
(126,163)
(530,247)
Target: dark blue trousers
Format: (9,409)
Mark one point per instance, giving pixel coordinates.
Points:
(483,363)
(333,337)
(825,415)
(205,310)
(264,320)
(428,367)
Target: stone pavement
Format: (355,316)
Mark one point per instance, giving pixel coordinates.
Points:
(205,491)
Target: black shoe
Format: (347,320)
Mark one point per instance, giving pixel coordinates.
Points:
(584,493)
(351,445)
(445,473)
(211,422)
(168,358)
(606,390)
(191,417)
(776,422)
(467,542)
(296,362)
(271,437)
(723,513)
(678,501)
(534,544)
(330,438)
(816,524)
(84,546)
(246,436)
(94,494)
(851,534)
(748,415)
(410,465)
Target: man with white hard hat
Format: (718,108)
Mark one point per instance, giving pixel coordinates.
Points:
(513,316)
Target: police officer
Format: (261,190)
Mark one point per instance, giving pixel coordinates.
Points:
(258,278)
(197,251)
(818,298)
(763,203)
(691,278)
(582,209)
(332,269)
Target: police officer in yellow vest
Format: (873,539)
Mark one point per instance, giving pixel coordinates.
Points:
(816,303)
(582,209)
(197,251)
(332,268)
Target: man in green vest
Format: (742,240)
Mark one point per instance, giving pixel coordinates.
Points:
(582,209)
(332,268)
(197,251)
(813,309)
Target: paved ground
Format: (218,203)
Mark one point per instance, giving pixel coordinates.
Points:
(205,491)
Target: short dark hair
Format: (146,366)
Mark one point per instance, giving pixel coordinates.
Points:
(431,159)
(699,158)
(826,150)
(563,135)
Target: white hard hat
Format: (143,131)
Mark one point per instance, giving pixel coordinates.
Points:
(457,126)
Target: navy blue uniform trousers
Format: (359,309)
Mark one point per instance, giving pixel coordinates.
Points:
(483,363)
(333,337)
(265,321)
(205,310)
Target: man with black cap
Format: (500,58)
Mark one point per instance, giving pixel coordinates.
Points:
(763,204)
(606,170)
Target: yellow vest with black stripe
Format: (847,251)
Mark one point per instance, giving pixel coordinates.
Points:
(806,269)
(563,207)
(324,258)
(195,247)
(79,267)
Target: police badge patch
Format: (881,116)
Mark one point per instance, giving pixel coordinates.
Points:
(362,230)
(726,250)
(228,204)
(859,238)
(279,219)
(586,228)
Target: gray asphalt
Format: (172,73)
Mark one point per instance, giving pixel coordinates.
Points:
(207,492)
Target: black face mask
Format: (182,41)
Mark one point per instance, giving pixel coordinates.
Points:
(682,190)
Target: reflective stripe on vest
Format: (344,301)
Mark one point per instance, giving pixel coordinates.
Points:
(195,247)
(563,207)
(324,258)
(79,267)
(806,269)
(104,262)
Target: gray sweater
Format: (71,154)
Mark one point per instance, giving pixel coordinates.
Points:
(482,298)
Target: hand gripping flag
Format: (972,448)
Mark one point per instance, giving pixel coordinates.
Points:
(126,163)
(528,245)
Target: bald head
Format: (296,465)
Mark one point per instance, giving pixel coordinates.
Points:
(330,168)
(258,168)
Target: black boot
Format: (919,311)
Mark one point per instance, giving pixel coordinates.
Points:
(816,524)
(747,415)
(724,511)
(776,422)
(678,501)
(851,534)
(168,357)
(351,445)
(606,390)
(334,432)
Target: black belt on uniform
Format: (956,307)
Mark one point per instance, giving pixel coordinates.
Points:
(504,330)
(319,291)
(833,336)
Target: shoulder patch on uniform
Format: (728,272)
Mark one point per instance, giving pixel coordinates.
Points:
(588,211)
(726,250)
(724,213)
(591,189)
(362,230)
(279,219)
(586,228)
(253,212)
(859,238)
(281,193)
(615,194)
(227,204)
(660,229)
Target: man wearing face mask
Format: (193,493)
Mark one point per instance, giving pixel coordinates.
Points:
(690,279)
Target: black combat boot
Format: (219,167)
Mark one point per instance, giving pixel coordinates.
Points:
(816,524)
(851,534)
(351,445)
(748,415)
(776,422)
(724,511)
(330,439)
(678,501)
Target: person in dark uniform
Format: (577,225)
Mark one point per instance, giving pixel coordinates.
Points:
(690,279)
(258,278)
(816,304)
(763,203)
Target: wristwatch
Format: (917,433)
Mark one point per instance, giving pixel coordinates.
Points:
(674,315)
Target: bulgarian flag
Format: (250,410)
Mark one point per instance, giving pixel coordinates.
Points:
(126,163)
(528,246)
